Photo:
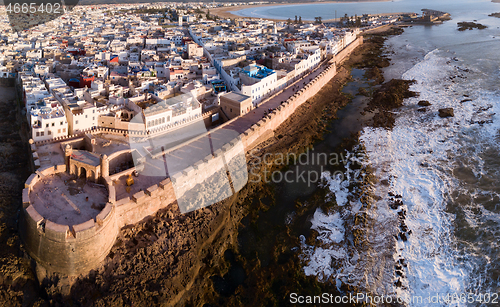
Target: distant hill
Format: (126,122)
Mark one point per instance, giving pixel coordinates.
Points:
(90,2)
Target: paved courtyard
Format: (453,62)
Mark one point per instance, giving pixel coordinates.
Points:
(66,201)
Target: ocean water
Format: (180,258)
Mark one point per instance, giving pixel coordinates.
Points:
(332,10)
(446,170)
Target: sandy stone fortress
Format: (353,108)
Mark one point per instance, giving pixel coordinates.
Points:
(74,209)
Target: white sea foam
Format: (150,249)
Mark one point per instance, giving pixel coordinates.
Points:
(417,160)
(321,258)
(329,227)
(418,156)
(415,155)
(331,259)
(338,186)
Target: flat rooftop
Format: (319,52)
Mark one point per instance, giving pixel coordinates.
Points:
(257,71)
(63,200)
(236,97)
(86,157)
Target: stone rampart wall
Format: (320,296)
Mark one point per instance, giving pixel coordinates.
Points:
(70,250)
(77,249)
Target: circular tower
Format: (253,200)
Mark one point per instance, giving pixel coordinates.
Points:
(68,151)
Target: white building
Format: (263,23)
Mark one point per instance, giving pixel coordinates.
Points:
(174,110)
(54,83)
(34,90)
(82,117)
(80,114)
(34,54)
(4,72)
(332,47)
(194,50)
(48,120)
(42,70)
(98,71)
(258,82)
(309,58)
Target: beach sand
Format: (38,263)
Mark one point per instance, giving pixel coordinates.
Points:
(226,12)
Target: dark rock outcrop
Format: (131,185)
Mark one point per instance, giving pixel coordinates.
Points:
(446,112)
(462,26)
(387,98)
(424,103)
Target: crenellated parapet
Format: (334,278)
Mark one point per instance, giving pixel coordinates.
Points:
(66,249)
(76,248)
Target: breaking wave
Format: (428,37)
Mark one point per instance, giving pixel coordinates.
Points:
(440,172)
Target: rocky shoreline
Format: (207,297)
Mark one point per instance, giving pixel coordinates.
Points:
(175,259)
(180,252)
(275,268)
(464,25)
(17,281)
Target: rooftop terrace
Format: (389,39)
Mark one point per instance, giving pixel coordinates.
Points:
(257,71)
